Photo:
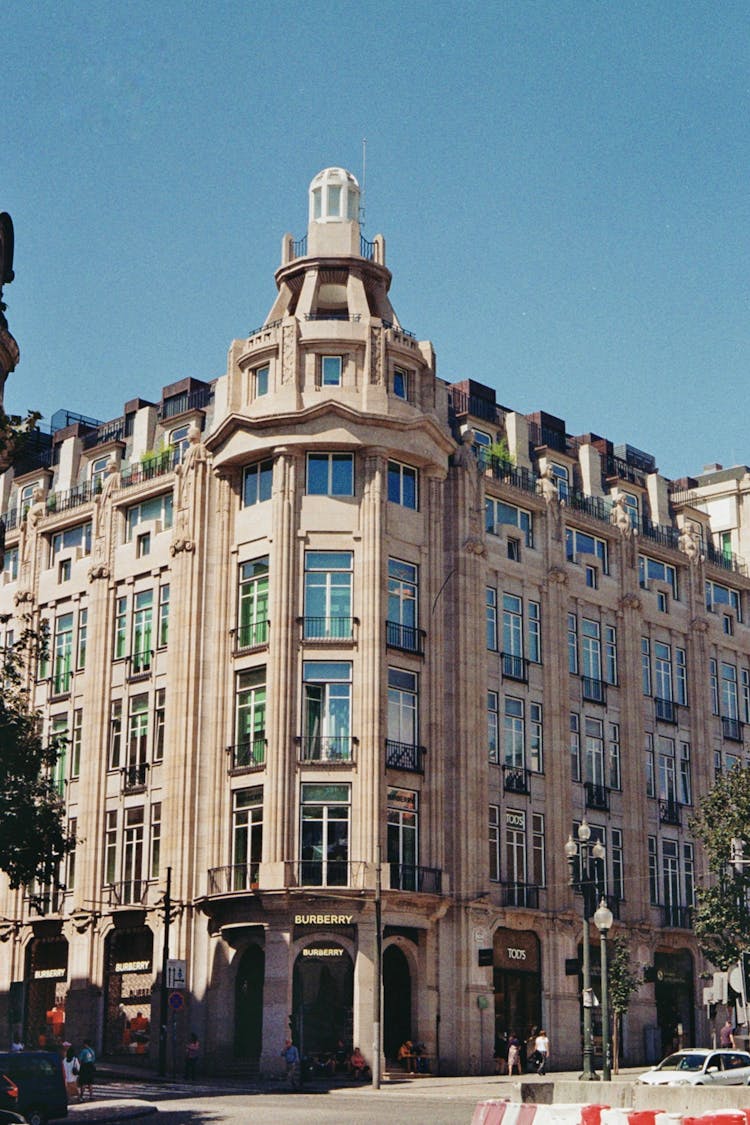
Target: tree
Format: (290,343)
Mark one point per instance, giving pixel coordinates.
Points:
(623,982)
(721,921)
(15,434)
(33,840)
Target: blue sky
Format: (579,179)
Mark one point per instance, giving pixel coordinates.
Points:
(563,188)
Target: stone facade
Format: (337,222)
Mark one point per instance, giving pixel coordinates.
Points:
(334,640)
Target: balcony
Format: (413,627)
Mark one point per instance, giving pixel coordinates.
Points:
(663,534)
(516,779)
(403,756)
(328,629)
(253,635)
(148,469)
(597,796)
(593,506)
(247,755)
(523,895)
(405,637)
(727,560)
(333,749)
(229,880)
(677,917)
(669,811)
(134,778)
(47,900)
(665,710)
(501,470)
(330,873)
(407,877)
(139,664)
(182,403)
(132,892)
(593,690)
(462,403)
(615,468)
(731,729)
(515,667)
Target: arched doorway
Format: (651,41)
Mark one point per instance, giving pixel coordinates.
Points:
(323,998)
(396,1000)
(129,978)
(47,974)
(517,981)
(248,1003)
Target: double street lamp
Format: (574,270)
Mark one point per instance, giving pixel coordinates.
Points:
(586,864)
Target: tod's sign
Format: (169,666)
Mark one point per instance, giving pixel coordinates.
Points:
(516,951)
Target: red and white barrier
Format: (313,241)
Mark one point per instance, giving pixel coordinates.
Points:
(496,1112)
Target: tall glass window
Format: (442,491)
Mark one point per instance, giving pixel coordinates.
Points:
(515,846)
(247,837)
(402,839)
(251,717)
(512,625)
(494,827)
(402,484)
(327,700)
(402,707)
(403,605)
(330,474)
(493,727)
(257,481)
(324,835)
(491,618)
(62,670)
(328,595)
(132,857)
(514,733)
(253,603)
(143,609)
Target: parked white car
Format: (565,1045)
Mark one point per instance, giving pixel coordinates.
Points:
(700,1066)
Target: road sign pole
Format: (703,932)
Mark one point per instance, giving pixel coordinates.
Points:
(164,961)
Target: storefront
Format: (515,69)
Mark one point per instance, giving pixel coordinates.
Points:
(675,999)
(47,976)
(128,985)
(323,982)
(517,982)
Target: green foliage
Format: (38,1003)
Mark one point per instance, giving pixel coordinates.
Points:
(14,431)
(623,977)
(32,832)
(722,920)
(500,450)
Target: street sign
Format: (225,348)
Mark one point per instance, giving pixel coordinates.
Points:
(176,1001)
(176,974)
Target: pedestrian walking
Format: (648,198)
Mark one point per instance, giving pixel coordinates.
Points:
(87,1061)
(71,1070)
(541,1051)
(514,1055)
(192,1050)
(290,1054)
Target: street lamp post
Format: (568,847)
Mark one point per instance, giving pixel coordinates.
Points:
(584,861)
(603,919)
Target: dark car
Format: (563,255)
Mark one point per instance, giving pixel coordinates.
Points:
(41,1085)
(8,1096)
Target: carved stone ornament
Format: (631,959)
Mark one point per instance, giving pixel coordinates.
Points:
(179,544)
(23,597)
(288,352)
(557,575)
(629,601)
(547,485)
(699,625)
(84,919)
(619,517)
(376,355)
(475,546)
(98,570)
(689,544)
(9,929)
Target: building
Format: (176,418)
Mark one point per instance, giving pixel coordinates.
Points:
(333,640)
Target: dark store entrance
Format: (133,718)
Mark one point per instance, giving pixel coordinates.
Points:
(517,982)
(675,999)
(129,978)
(248,1004)
(47,973)
(323,998)
(396,1001)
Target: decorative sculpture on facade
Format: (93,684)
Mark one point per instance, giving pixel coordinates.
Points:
(689,543)
(619,517)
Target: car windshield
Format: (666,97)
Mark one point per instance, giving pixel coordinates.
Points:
(683,1062)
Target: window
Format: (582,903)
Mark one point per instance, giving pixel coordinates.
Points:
(646,665)
(592,577)
(653,880)
(110,848)
(180,443)
(688,873)
(330,370)
(247,836)
(83,616)
(718,595)
(121,627)
(250,731)
(157,508)
(260,381)
(59,737)
(515,846)
(745,675)
(328,595)
(651,570)
(133,867)
(99,473)
(591,649)
(155,839)
(498,512)
(666,770)
(75,757)
(729,700)
(143,545)
(494,828)
(493,728)
(650,766)
(400,383)
(324,836)
(403,605)
(330,474)
(618,865)
(73,538)
(402,837)
(631,506)
(685,792)
(663,671)
(62,658)
(160,715)
(713,674)
(610,654)
(65,570)
(10,563)
(580,543)
(538,864)
(536,746)
(137,737)
(615,779)
(402,484)
(70,874)
(115,734)
(512,626)
(727,624)
(257,480)
(573,644)
(140,651)
(680,682)
(575,747)
(670,856)
(562,479)
(491,618)
(327,691)
(253,603)
(514,733)
(594,751)
(403,712)
(163,615)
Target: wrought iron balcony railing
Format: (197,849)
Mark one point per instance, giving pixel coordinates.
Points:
(248,755)
(731,729)
(597,796)
(408,877)
(669,811)
(326,748)
(131,892)
(328,628)
(593,690)
(405,637)
(677,917)
(404,756)
(665,710)
(515,667)
(134,778)
(252,635)
(521,895)
(516,779)
(235,877)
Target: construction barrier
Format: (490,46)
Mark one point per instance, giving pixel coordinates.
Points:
(500,1112)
